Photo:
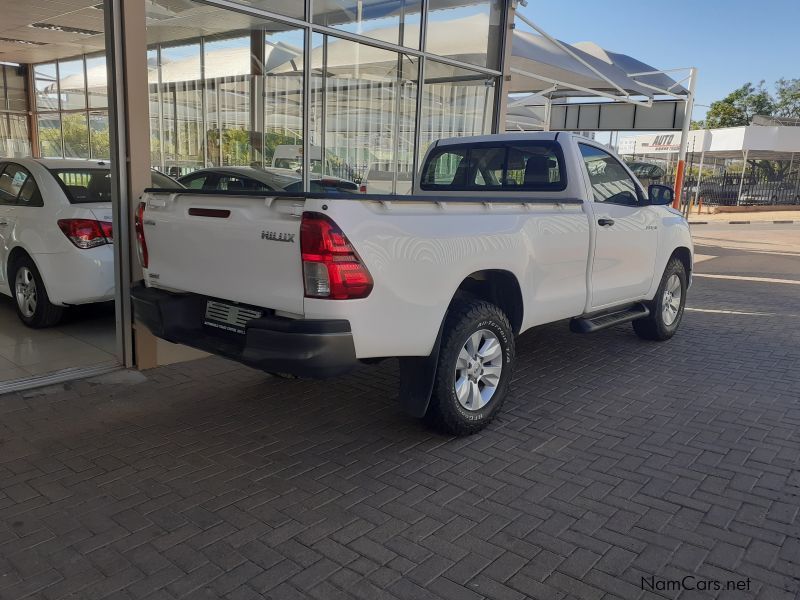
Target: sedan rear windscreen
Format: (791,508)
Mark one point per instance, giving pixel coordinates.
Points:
(85,185)
(94,185)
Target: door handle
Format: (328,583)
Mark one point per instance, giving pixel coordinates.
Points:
(605,222)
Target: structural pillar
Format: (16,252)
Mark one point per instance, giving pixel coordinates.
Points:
(741,179)
(687,121)
(129,107)
(505,66)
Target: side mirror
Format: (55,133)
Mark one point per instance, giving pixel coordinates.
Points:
(660,195)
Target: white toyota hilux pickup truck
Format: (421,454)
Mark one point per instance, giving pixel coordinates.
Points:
(503,233)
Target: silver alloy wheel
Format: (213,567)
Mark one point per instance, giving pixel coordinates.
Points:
(25,288)
(672,299)
(478,369)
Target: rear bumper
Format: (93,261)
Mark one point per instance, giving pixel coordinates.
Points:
(78,276)
(306,348)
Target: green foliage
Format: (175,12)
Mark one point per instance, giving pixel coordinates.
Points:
(787,98)
(740,106)
(76,135)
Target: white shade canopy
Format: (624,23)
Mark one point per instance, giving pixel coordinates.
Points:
(631,66)
(546,64)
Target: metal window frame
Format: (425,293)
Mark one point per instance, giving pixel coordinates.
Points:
(121,203)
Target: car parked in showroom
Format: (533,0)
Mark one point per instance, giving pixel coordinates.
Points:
(505,232)
(56,234)
(262,179)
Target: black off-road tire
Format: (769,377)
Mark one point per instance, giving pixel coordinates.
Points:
(466,317)
(46,313)
(654,327)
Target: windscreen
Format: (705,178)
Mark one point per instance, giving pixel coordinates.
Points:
(164,182)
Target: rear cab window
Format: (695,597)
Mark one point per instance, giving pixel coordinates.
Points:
(526,166)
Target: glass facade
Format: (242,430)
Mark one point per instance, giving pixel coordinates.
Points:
(232,88)
(71,105)
(469,31)
(14,134)
(394,21)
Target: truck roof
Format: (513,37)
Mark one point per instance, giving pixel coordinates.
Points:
(502,137)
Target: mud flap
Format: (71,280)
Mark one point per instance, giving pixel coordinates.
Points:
(417,377)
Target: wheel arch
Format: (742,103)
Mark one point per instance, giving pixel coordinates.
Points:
(683,254)
(16,253)
(498,286)
(417,373)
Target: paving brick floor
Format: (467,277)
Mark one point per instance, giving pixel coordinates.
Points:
(614,460)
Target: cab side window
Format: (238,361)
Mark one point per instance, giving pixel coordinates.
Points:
(610,181)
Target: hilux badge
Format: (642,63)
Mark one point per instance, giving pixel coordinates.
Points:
(277,236)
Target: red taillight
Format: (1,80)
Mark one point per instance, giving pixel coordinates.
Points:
(87,233)
(331,267)
(141,243)
(362,189)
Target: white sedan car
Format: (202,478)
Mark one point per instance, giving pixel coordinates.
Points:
(56,235)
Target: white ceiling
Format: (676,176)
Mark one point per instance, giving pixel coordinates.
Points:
(18,15)
(167,21)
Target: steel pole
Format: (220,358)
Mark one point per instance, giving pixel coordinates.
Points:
(700,172)
(687,121)
(547,108)
(741,179)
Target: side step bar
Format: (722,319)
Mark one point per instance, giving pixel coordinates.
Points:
(592,323)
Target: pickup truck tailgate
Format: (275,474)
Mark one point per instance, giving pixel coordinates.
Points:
(239,248)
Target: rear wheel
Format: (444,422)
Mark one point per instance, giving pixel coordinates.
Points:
(32,302)
(473,370)
(666,309)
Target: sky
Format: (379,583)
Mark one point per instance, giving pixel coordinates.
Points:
(731,42)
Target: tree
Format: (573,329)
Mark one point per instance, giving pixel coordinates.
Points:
(740,106)
(787,98)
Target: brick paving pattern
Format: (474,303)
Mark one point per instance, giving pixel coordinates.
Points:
(614,459)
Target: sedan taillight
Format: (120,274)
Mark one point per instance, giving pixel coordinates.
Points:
(87,233)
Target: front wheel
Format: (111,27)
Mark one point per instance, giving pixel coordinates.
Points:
(666,309)
(473,370)
(32,302)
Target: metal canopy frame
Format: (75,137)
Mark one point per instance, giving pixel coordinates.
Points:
(623,96)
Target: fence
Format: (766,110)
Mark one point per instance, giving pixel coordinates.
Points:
(724,184)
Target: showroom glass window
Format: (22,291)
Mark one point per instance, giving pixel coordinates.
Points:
(468,32)
(14,137)
(455,102)
(395,21)
(72,108)
(230,88)
(230,98)
(363,108)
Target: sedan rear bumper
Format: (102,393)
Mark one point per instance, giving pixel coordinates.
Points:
(302,347)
